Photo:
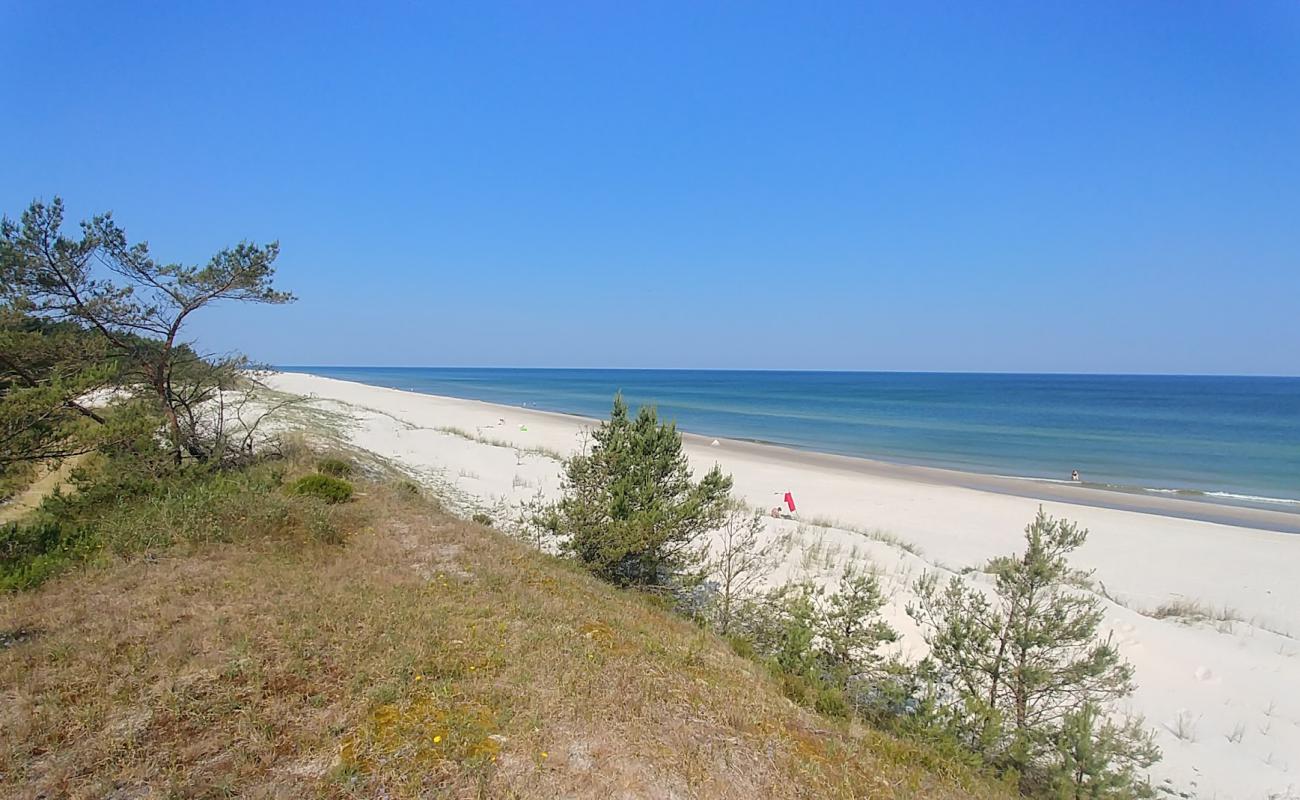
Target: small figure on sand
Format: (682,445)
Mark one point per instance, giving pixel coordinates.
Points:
(789,502)
(1074,475)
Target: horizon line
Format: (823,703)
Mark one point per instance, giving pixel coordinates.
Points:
(1060,373)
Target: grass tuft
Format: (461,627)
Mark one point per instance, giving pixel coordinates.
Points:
(324,487)
(1194,611)
(334,467)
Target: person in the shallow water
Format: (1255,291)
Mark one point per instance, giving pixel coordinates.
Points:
(1074,475)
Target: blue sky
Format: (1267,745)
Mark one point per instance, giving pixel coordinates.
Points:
(1103,187)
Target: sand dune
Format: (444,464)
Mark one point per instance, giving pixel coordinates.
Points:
(1220,693)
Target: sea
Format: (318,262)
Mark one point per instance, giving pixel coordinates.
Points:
(1230,439)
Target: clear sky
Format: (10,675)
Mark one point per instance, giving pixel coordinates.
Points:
(1039,186)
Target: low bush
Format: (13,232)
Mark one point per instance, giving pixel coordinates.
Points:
(482,519)
(632,512)
(34,551)
(325,487)
(334,467)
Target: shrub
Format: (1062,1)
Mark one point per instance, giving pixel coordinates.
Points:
(482,519)
(631,513)
(32,552)
(325,487)
(825,648)
(334,467)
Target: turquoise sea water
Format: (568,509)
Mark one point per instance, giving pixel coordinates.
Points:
(1233,438)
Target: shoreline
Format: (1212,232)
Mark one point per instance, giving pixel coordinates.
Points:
(1093,496)
(1134,499)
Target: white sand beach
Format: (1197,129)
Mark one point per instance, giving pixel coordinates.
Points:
(1223,695)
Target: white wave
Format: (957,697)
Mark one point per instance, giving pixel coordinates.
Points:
(1254,498)
(1034,478)
(1191,493)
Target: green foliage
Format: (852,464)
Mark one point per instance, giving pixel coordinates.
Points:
(1100,759)
(850,627)
(16,476)
(631,512)
(334,467)
(45,368)
(1017,683)
(31,552)
(826,647)
(738,562)
(116,317)
(119,505)
(1019,671)
(325,487)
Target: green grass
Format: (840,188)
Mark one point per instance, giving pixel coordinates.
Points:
(334,467)
(114,510)
(325,487)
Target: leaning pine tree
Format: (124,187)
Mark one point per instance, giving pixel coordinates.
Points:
(125,315)
(1028,676)
(631,512)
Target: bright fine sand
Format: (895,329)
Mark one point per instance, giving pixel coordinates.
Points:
(1222,695)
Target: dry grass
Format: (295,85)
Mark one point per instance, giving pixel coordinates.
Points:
(875,534)
(1194,611)
(425,657)
(546,452)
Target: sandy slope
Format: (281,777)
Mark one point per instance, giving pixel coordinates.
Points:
(1224,697)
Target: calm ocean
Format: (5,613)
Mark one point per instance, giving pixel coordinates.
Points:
(1220,436)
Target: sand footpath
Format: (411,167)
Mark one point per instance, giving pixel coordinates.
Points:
(1223,694)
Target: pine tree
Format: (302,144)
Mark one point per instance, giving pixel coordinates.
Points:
(1100,759)
(826,644)
(631,512)
(739,562)
(1024,664)
(851,628)
(138,308)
